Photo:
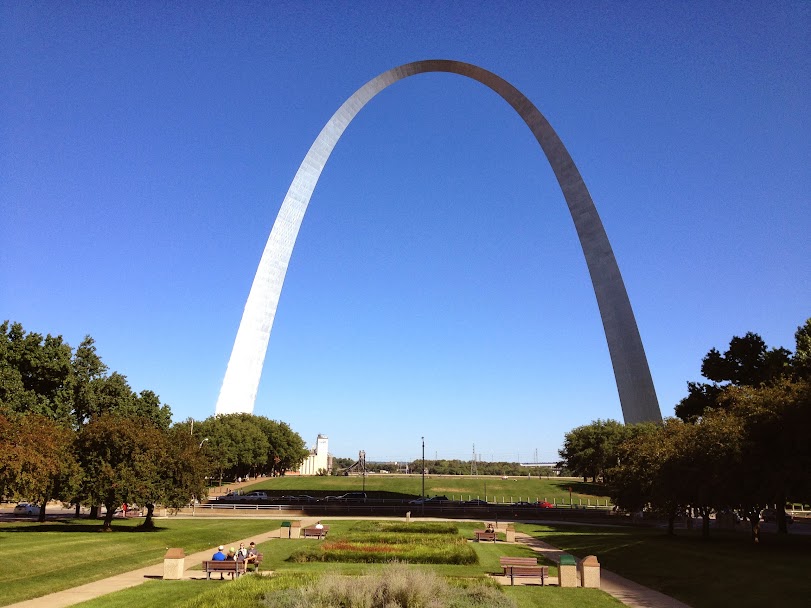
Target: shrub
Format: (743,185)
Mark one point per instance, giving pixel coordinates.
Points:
(396,586)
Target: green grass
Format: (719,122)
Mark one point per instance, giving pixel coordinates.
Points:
(727,570)
(462,487)
(151,594)
(555,597)
(249,590)
(61,555)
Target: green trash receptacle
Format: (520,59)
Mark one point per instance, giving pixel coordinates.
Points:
(283,532)
(567,571)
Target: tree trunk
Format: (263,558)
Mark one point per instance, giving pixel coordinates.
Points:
(78,510)
(705,522)
(755,529)
(671,519)
(108,518)
(780,514)
(148,524)
(45,500)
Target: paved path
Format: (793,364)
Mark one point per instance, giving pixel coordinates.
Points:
(628,592)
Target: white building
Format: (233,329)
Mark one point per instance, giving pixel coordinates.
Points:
(319,458)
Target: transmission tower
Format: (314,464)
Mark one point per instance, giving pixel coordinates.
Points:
(473,469)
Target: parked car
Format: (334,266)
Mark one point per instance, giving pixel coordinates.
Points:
(25,508)
(476,502)
(348,497)
(523,503)
(771,515)
(255,495)
(433,500)
(301,498)
(542,504)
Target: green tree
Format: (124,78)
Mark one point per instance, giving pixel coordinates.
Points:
(591,449)
(121,458)
(38,462)
(286,449)
(747,362)
(801,361)
(35,372)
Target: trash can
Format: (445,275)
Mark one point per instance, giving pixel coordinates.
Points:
(295,529)
(284,531)
(174,564)
(567,571)
(510,532)
(589,570)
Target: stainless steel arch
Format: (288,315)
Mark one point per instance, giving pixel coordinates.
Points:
(634,382)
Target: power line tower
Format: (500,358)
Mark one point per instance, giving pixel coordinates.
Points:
(473,468)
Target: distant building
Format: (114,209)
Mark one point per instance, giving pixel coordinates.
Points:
(319,458)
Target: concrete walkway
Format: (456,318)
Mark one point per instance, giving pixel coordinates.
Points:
(628,592)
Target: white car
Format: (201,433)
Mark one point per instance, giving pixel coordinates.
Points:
(25,508)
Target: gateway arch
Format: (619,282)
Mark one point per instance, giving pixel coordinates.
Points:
(634,382)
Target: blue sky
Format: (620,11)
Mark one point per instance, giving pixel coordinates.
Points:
(437,287)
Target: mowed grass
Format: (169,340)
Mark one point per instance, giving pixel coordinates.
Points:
(44,558)
(727,570)
(460,487)
(250,590)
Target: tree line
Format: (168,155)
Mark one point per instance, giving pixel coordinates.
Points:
(739,442)
(72,431)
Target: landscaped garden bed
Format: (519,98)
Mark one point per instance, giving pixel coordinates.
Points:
(380,542)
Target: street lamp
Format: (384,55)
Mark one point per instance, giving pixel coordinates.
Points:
(423,469)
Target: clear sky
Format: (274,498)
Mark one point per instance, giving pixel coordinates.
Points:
(437,287)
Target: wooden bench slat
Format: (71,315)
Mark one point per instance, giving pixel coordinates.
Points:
(527,571)
(232,567)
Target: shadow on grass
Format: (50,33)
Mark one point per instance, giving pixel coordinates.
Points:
(67,527)
(580,487)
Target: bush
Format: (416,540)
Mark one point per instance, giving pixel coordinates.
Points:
(394,587)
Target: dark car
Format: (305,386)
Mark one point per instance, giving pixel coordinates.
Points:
(433,500)
(523,503)
(771,515)
(299,498)
(476,502)
(348,497)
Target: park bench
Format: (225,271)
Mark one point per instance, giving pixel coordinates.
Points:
(313,532)
(541,572)
(506,562)
(484,535)
(256,562)
(234,568)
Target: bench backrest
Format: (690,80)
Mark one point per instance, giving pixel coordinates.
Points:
(518,561)
(223,565)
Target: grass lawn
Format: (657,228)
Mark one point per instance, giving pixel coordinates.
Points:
(460,487)
(61,555)
(727,570)
(151,594)
(212,594)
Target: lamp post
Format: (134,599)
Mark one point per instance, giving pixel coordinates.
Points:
(423,468)
(423,475)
